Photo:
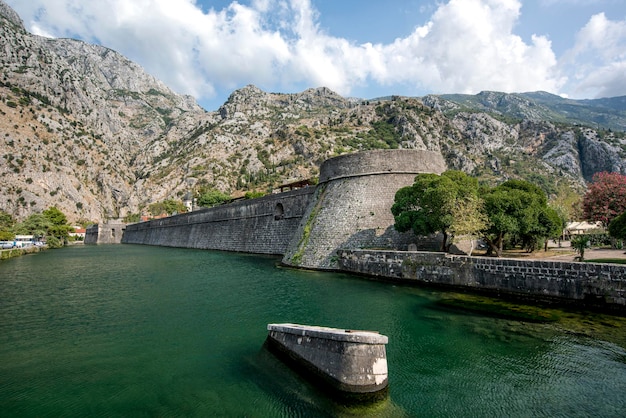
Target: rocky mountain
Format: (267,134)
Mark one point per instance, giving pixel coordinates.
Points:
(608,113)
(89,131)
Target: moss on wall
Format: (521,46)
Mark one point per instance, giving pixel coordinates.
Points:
(296,260)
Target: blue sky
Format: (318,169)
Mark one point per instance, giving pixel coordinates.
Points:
(358,48)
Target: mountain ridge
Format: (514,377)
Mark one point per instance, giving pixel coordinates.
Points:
(89,131)
(606,113)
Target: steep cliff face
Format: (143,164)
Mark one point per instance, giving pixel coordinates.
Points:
(87,130)
(74,119)
(574,137)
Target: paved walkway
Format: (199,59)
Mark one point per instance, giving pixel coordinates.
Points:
(591,254)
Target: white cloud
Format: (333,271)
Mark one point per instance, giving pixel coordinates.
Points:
(597,62)
(466,46)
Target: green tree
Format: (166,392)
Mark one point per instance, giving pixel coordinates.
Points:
(58,227)
(51,224)
(156,209)
(617,227)
(173,206)
(132,218)
(580,243)
(212,197)
(429,205)
(6,235)
(545,224)
(36,224)
(254,195)
(469,218)
(55,216)
(168,206)
(84,222)
(6,220)
(6,226)
(568,202)
(518,209)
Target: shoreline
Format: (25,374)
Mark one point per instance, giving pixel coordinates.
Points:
(18,252)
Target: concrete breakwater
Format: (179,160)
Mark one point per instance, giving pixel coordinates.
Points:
(591,285)
(350,363)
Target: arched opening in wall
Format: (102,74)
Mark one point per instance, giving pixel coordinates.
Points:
(279,212)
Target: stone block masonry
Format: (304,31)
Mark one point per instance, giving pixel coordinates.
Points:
(352,205)
(592,285)
(106,233)
(349,208)
(260,226)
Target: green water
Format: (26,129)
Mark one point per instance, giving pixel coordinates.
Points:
(147,331)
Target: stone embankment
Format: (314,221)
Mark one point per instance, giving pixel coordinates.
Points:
(588,285)
(17,252)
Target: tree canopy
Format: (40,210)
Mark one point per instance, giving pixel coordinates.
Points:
(6,226)
(58,227)
(36,224)
(519,209)
(454,205)
(605,198)
(168,206)
(617,227)
(431,205)
(51,224)
(212,197)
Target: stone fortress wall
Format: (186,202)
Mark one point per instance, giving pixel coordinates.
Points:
(352,205)
(349,208)
(261,226)
(345,224)
(105,233)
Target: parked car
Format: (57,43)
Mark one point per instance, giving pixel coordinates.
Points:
(6,245)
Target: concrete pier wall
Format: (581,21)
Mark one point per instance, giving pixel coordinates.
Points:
(591,285)
(350,362)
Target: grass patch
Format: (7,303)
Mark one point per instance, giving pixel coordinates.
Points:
(607,260)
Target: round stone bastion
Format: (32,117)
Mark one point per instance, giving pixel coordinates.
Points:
(351,208)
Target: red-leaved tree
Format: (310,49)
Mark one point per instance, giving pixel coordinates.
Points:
(605,198)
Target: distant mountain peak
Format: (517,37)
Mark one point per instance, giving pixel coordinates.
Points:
(540,105)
